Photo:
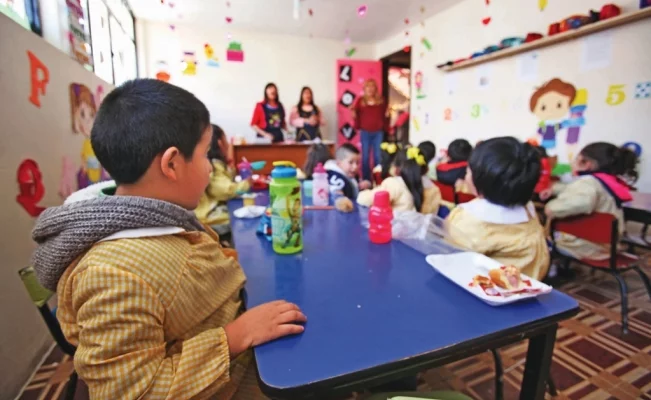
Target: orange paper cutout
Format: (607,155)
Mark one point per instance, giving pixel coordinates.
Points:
(37,85)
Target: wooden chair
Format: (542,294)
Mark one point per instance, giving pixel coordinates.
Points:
(40,297)
(601,228)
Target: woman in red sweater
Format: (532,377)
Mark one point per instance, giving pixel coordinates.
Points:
(268,119)
(369,113)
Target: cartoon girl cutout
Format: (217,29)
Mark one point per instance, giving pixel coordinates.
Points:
(551,103)
(418,82)
(83,110)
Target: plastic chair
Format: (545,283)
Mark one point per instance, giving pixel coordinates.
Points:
(447,192)
(40,296)
(601,228)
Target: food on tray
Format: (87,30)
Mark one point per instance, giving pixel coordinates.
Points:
(506,277)
(481,280)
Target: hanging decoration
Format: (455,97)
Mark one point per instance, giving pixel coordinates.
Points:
(172,27)
(211,60)
(234,52)
(426,43)
(419,84)
(361,10)
(163,72)
(189,63)
(311,12)
(350,52)
(229,20)
(486,20)
(542,4)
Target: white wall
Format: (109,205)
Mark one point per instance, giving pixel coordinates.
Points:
(45,135)
(457,32)
(231,91)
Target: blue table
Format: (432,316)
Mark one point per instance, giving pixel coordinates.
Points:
(377,313)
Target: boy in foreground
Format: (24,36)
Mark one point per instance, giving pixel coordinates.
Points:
(145,291)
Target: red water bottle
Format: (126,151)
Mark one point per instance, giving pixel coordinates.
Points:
(379,218)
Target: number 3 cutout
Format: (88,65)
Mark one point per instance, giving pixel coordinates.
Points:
(616,95)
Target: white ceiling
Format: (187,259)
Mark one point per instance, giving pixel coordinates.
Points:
(334,19)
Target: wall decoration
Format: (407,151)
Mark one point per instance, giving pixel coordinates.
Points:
(527,65)
(39,76)
(643,90)
(419,83)
(347,131)
(163,72)
(82,112)
(447,114)
(426,118)
(189,63)
(559,105)
(475,111)
(486,21)
(634,147)
(361,10)
(416,123)
(68,183)
(350,52)
(616,95)
(229,20)
(211,60)
(347,98)
(234,52)
(99,95)
(30,187)
(77,34)
(346,73)
(542,4)
(596,51)
(172,27)
(426,43)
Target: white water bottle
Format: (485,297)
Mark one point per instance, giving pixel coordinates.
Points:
(320,186)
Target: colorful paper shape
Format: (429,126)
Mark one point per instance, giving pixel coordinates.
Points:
(486,21)
(211,60)
(189,63)
(426,43)
(361,10)
(99,94)
(30,187)
(418,83)
(39,76)
(350,52)
(542,4)
(643,90)
(347,98)
(234,52)
(347,131)
(475,111)
(229,20)
(616,95)
(416,123)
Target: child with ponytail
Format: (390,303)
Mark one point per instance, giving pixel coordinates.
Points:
(603,170)
(406,189)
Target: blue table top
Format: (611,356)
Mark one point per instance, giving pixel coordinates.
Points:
(367,305)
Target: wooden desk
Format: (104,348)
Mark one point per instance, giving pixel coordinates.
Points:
(294,152)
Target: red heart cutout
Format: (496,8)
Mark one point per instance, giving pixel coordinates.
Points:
(486,20)
(229,20)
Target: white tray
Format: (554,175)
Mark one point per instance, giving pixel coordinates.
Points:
(461,268)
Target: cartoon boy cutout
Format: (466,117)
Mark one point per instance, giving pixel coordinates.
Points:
(551,103)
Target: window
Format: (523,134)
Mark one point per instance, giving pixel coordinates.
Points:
(113,40)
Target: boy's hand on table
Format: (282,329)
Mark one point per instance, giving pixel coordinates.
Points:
(364,185)
(263,324)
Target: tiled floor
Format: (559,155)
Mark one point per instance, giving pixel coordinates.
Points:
(592,360)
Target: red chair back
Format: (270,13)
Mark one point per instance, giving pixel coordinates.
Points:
(447,191)
(597,227)
(464,197)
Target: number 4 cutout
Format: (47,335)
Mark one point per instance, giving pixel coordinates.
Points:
(616,95)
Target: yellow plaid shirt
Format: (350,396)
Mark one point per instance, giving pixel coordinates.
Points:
(147,317)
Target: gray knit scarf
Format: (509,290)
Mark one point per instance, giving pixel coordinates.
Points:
(64,233)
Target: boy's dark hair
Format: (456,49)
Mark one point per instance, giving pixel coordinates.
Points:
(428,150)
(317,153)
(541,151)
(345,150)
(459,150)
(141,119)
(215,152)
(613,160)
(505,171)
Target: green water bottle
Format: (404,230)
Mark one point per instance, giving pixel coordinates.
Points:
(286,209)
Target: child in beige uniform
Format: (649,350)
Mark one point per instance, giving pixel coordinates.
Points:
(406,189)
(150,299)
(598,188)
(501,222)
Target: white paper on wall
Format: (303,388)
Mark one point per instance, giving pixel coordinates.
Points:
(597,51)
(484,76)
(450,83)
(528,67)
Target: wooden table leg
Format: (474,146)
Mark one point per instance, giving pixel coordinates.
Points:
(538,364)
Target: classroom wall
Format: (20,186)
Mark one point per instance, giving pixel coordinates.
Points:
(43,134)
(231,90)
(493,99)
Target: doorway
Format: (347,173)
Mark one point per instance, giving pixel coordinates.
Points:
(396,88)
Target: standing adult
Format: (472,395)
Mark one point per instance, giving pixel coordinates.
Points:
(268,119)
(306,117)
(370,113)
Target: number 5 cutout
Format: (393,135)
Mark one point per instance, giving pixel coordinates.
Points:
(616,95)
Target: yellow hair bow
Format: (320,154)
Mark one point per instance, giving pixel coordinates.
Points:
(390,148)
(413,153)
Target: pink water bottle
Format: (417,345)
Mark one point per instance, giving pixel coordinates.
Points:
(245,169)
(379,218)
(320,186)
